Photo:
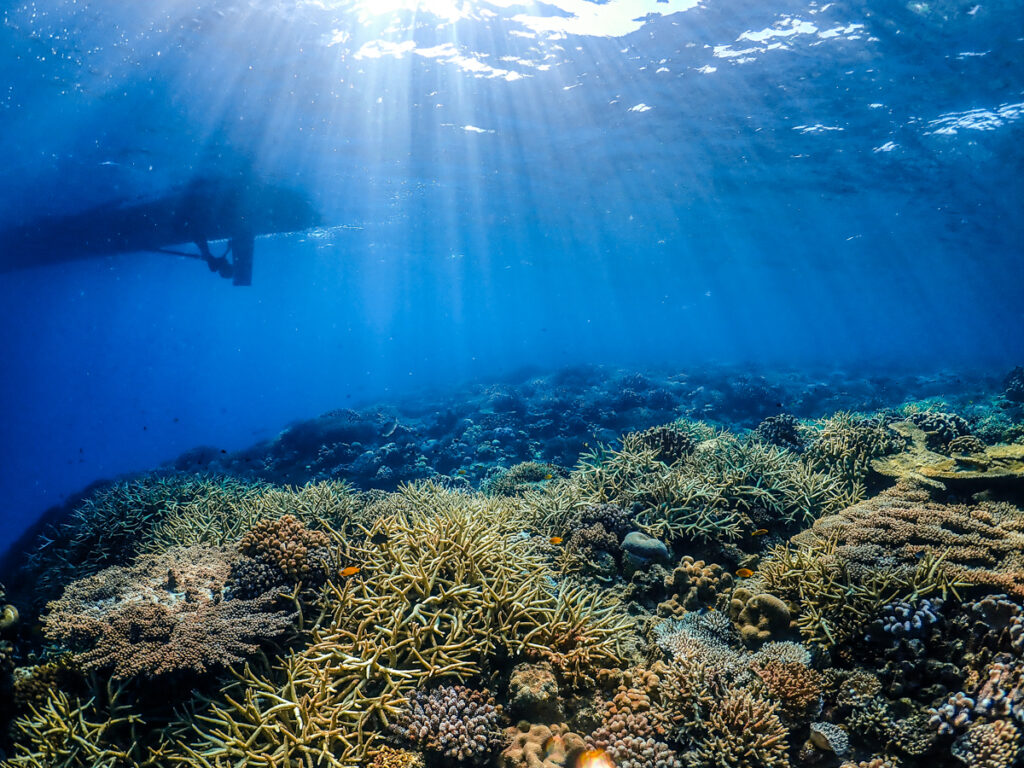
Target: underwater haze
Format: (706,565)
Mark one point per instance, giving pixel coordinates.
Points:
(498,185)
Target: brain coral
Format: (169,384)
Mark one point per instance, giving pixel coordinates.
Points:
(164,614)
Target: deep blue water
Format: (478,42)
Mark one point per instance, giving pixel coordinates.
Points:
(500,185)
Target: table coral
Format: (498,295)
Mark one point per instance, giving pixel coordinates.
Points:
(164,614)
(980,544)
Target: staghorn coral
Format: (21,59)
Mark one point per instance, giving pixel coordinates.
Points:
(742,731)
(288,545)
(217,517)
(837,600)
(695,584)
(845,445)
(450,587)
(102,732)
(164,614)
(388,757)
(723,487)
(454,721)
(541,746)
(114,523)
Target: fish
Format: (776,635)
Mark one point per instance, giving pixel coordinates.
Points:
(744,573)
(351,570)
(461,472)
(760,532)
(548,476)
(556,540)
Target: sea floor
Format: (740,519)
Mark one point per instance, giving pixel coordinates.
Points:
(585,568)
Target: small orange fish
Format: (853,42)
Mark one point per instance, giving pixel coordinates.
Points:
(744,573)
(351,570)
(556,540)
(548,476)
(760,532)
(462,472)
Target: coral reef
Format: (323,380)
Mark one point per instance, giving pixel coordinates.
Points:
(728,576)
(165,614)
(533,692)
(388,757)
(515,480)
(997,467)
(447,585)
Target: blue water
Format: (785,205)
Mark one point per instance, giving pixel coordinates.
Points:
(633,182)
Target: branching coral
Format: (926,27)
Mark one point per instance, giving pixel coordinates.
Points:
(102,732)
(743,731)
(517,479)
(835,602)
(444,588)
(164,614)
(721,488)
(845,444)
(116,522)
